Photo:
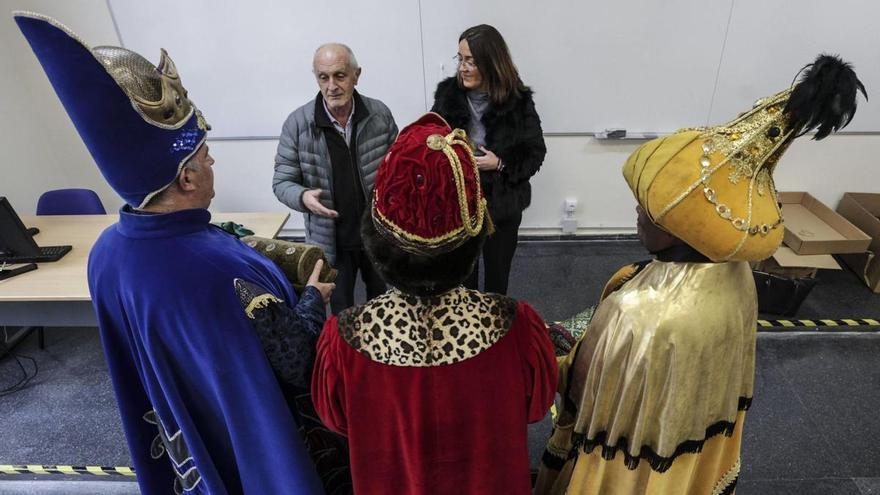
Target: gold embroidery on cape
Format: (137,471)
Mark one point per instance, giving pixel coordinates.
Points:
(729,477)
(260,302)
(253,297)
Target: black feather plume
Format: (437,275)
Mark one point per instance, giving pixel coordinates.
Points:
(825,97)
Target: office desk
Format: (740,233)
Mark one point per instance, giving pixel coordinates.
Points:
(57,294)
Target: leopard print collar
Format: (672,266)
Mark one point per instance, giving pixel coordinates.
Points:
(404,330)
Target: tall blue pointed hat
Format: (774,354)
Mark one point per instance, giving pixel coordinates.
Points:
(135,118)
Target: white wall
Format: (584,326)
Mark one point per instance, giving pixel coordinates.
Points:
(43,151)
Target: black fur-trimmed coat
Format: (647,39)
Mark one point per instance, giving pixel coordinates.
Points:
(513,132)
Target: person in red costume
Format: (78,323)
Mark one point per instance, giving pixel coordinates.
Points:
(432,383)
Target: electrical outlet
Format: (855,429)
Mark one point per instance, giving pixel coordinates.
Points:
(570,205)
(569,225)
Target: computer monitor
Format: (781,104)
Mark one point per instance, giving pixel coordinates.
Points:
(16,243)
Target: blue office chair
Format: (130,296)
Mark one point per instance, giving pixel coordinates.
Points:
(67,202)
(70,202)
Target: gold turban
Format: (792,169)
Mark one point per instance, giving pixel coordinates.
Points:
(713,187)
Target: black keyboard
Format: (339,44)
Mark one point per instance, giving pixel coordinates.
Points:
(47,253)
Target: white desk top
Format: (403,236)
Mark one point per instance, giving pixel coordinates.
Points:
(65,279)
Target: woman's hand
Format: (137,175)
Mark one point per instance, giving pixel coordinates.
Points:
(489,161)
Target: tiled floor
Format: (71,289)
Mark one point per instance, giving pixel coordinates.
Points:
(813,426)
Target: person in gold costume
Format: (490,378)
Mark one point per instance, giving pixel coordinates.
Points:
(655,393)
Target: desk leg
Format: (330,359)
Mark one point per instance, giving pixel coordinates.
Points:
(16,339)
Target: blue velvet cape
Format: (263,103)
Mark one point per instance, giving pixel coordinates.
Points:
(200,405)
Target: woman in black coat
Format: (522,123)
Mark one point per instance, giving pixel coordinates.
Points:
(488,100)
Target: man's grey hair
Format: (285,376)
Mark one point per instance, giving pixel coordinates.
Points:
(191,164)
(165,196)
(352,60)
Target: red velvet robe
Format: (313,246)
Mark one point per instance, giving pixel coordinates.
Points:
(451,428)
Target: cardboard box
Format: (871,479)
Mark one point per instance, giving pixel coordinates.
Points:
(786,263)
(863,210)
(813,228)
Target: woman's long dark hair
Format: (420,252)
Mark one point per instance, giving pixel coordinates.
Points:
(492,58)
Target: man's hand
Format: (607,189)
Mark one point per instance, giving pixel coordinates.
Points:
(324,288)
(311,200)
(488,162)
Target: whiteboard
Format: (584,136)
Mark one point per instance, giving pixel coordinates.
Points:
(642,65)
(247,65)
(769,42)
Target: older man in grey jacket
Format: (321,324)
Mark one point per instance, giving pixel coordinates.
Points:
(328,154)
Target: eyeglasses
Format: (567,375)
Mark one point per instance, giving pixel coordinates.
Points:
(467,63)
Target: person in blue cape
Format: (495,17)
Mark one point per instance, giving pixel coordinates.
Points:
(178,299)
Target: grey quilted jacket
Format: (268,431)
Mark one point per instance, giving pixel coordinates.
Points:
(303,162)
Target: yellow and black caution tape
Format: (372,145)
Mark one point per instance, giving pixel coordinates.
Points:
(69,470)
(800,325)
